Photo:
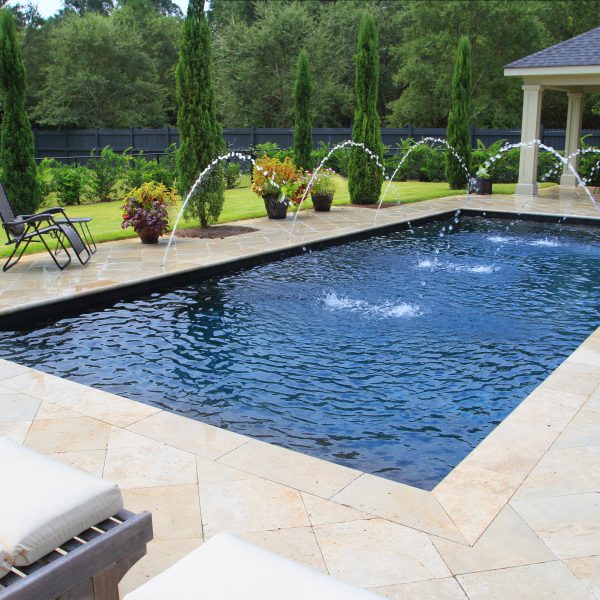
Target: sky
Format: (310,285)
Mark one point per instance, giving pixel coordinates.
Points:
(49,7)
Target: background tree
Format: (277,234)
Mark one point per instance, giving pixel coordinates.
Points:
(458,119)
(500,32)
(364,176)
(100,74)
(256,45)
(104,7)
(200,134)
(161,7)
(255,58)
(303,112)
(17,158)
(222,11)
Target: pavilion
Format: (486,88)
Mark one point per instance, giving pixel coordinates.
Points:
(573,67)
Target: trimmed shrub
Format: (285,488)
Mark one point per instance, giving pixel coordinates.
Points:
(303,117)
(232,175)
(70,181)
(200,134)
(458,119)
(17,155)
(364,176)
(106,171)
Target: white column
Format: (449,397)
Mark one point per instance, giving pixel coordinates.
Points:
(573,135)
(530,130)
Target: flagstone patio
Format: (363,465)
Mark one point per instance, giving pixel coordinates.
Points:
(519,518)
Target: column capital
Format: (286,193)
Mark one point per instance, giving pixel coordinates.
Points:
(532,87)
(575,95)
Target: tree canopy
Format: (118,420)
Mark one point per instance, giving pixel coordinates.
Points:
(255,47)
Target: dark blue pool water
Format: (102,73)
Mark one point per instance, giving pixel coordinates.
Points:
(394,355)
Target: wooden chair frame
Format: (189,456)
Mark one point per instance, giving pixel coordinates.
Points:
(87,567)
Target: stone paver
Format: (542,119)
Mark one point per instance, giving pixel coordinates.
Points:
(547,581)
(518,518)
(300,471)
(569,525)
(506,531)
(401,504)
(434,589)
(377,552)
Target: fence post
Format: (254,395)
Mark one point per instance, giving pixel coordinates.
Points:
(131,138)
(542,133)
(410,131)
(67,145)
(168,136)
(253,136)
(97,140)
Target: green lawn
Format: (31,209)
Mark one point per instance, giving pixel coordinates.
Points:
(241,203)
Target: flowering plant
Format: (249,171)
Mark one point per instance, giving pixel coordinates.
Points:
(274,177)
(483,173)
(323,183)
(147,208)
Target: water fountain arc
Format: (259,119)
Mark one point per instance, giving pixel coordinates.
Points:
(347,143)
(426,140)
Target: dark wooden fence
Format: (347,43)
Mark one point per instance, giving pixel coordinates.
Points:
(76,145)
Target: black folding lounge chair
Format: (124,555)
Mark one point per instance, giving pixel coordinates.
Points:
(84,227)
(22,230)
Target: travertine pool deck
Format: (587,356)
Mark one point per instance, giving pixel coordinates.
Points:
(519,518)
(36,281)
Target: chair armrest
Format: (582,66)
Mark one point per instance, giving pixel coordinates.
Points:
(31,219)
(53,210)
(47,211)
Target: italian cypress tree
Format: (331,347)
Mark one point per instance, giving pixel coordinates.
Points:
(364,176)
(17,153)
(201,136)
(303,113)
(458,119)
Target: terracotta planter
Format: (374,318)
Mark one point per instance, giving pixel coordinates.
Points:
(148,236)
(275,208)
(322,202)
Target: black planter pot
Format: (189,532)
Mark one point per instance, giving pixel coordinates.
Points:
(481,186)
(322,202)
(275,208)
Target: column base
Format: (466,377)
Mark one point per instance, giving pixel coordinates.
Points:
(526,189)
(568,179)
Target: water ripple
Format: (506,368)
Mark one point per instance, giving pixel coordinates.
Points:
(394,355)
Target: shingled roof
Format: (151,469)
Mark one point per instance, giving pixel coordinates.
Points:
(582,50)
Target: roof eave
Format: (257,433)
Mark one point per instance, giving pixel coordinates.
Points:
(548,71)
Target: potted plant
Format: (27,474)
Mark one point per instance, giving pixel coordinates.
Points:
(146,210)
(482,183)
(278,183)
(322,188)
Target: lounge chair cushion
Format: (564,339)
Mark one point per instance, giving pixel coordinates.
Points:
(227,568)
(44,503)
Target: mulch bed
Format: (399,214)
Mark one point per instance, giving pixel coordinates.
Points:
(384,205)
(214,232)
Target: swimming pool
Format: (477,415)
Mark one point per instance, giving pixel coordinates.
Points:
(394,355)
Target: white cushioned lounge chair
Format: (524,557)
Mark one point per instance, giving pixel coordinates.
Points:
(63,533)
(228,568)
